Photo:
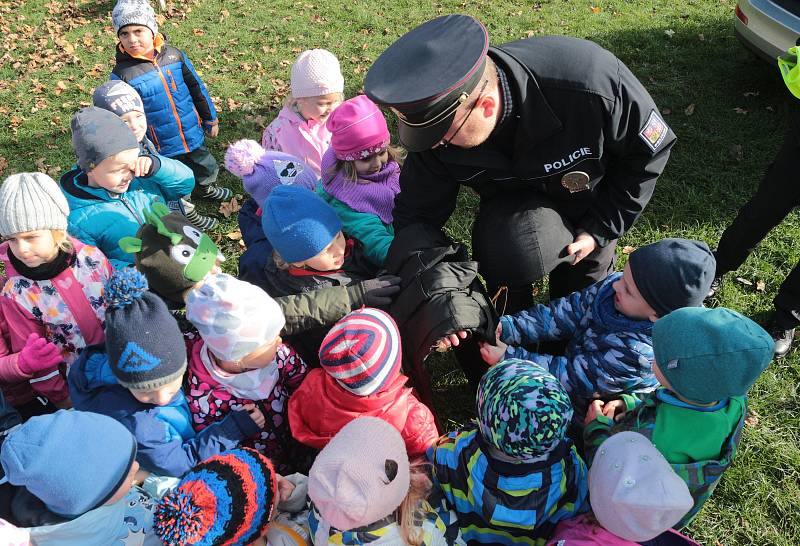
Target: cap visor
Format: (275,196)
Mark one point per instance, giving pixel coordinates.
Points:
(419,139)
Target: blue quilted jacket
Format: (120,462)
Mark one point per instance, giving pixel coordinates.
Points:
(608,353)
(176,102)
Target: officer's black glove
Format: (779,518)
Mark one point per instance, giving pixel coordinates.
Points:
(376,292)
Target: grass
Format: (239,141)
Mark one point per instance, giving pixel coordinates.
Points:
(684,52)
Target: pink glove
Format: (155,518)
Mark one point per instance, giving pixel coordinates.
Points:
(38,355)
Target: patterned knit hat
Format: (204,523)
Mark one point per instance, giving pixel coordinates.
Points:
(118,97)
(316,72)
(362,351)
(226,500)
(523,411)
(298,223)
(29,202)
(143,341)
(134,12)
(262,170)
(233,317)
(358,129)
(361,476)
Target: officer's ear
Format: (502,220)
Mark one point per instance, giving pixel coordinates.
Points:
(487,105)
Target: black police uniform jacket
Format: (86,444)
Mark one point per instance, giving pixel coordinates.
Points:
(579,109)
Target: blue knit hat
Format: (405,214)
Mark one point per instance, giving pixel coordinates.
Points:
(710,354)
(144,343)
(298,223)
(73,461)
(673,273)
(523,411)
(226,500)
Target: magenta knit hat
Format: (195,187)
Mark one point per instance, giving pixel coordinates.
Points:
(358,129)
(362,351)
(316,72)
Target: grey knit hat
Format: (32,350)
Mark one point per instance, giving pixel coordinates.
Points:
(98,134)
(118,97)
(134,12)
(31,201)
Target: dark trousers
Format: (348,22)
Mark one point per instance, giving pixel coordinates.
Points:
(776,196)
(516,247)
(203,165)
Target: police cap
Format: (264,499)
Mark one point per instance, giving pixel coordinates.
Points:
(427,74)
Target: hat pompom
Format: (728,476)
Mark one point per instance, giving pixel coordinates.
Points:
(177,519)
(125,286)
(241,157)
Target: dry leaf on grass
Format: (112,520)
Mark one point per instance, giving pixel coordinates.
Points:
(742,280)
(752,419)
(234,235)
(628,249)
(689,110)
(761,286)
(226,208)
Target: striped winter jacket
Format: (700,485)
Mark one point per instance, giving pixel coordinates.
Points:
(177,104)
(507,503)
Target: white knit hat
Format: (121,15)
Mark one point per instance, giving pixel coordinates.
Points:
(134,12)
(316,72)
(633,490)
(361,476)
(233,317)
(31,201)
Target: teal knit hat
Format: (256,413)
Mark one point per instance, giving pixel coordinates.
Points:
(710,354)
(523,411)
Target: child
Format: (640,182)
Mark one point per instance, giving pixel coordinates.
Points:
(317,86)
(609,324)
(241,360)
(113,185)
(137,380)
(364,491)
(52,302)
(178,107)
(228,499)
(261,171)
(360,375)
(512,477)
(635,496)
(75,473)
(361,175)
(706,360)
(121,99)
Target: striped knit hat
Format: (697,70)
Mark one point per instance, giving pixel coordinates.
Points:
(523,411)
(362,351)
(226,500)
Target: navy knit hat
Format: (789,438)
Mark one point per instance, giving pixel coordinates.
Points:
(144,343)
(710,354)
(98,134)
(226,500)
(298,223)
(673,273)
(73,461)
(523,411)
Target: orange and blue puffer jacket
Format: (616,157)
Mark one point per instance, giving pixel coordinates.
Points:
(176,102)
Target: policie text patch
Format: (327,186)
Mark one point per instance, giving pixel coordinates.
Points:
(654,131)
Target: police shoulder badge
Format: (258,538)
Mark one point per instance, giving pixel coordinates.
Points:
(575,181)
(654,131)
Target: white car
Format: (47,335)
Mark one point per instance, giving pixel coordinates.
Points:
(768,27)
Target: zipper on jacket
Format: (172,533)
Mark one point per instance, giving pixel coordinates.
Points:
(171,103)
(155,138)
(172,80)
(130,208)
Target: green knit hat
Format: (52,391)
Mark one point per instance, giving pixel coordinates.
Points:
(710,354)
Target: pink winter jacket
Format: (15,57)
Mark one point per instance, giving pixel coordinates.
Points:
(67,310)
(307,140)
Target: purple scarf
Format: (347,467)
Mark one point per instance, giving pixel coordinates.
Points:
(372,194)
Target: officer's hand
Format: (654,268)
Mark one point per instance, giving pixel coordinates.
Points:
(583,245)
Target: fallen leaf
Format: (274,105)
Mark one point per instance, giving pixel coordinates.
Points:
(595,9)
(770,109)
(3,164)
(666,111)
(740,110)
(742,280)
(750,93)
(689,110)
(701,37)
(234,235)
(198,31)
(669,32)
(752,419)
(226,208)
(628,249)
(60,87)
(223,15)
(761,286)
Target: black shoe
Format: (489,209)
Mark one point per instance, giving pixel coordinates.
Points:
(783,340)
(714,288)
(213,192)
(203,223)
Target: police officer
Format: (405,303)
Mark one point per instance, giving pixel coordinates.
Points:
(558,138)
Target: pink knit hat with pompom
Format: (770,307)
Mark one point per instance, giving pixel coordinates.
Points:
(262,170)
